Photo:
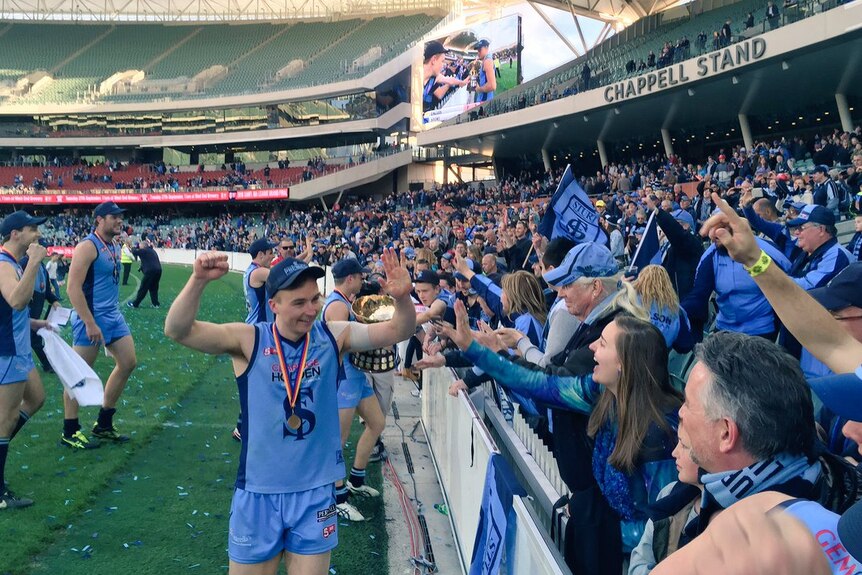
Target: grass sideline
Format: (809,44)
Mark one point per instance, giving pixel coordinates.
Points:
(158,504)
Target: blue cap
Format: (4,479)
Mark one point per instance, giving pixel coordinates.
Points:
(18,221)
(684,216)
(108,209)
(814,214)
(409,253)
(471,264)
(260,245)
(287,273)
(842,394)
(798,206)
(427,277)
(842,290)
(588,259)
(483,43)
(822,168)
(346,267)
(640,230)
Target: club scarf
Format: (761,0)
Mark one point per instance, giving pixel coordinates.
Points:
(792,475)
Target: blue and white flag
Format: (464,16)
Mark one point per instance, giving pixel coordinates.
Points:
(495,537)
(571,214)
(649,248)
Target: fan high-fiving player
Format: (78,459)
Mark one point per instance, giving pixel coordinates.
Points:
(94,290)
(286,371)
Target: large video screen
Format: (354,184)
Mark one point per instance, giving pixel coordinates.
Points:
(470,67)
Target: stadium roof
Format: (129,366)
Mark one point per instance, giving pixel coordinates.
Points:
(221,11)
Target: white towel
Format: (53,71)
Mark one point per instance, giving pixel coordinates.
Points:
(80,380)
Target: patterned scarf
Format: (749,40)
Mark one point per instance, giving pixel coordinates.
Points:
(792,475)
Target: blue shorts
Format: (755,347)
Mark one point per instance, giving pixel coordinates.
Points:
(15,368)
(112,324)
(262,525)
(353,390)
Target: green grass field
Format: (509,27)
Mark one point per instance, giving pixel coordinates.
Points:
(158,504)
(508,78)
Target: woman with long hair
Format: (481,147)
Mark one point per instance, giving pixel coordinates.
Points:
(656,295)
(631,405)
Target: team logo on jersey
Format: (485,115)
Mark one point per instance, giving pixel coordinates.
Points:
(267,351)
(328,530)
(307,419)
(326,513)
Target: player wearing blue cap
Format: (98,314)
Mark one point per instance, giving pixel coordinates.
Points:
(287,372)
(94,290)
(21,392)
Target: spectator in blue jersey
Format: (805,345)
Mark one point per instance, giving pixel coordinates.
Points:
(742,307)
(94,290)
(855,244)
(518,303)
(822,257)
(658,298)
(283,505)
(21,391)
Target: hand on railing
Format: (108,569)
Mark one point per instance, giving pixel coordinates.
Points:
(458,386)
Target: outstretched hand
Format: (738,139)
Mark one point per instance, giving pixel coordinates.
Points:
(211,266)
(732,232)
(398,283)
(460,334)
(487,337)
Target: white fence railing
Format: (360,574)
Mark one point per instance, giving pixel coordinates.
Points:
(461,446)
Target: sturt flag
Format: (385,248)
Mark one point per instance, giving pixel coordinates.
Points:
(571,214)
(649,250)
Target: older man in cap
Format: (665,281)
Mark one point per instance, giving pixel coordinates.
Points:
(21,392)
(822,257)
(94,290)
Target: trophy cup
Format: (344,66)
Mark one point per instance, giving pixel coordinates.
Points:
(374,309)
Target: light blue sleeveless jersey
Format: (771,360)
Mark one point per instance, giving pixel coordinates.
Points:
(275,458)
(255,299)
(102,282)
(14,324)
(348,371)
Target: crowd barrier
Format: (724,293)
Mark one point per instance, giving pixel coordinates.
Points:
(461,445)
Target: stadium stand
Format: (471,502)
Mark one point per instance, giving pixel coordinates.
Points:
(194,61)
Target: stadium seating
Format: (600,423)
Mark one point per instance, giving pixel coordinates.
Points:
(81,57)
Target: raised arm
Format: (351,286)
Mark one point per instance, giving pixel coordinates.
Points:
(18,293)
(353,336)
(807,320)
(182,325)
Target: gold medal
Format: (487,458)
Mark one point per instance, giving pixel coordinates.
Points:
(294,422)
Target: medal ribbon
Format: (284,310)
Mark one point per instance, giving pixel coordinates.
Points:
(111,253)
(291,387)
(8,253)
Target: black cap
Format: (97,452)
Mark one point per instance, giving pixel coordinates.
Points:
(483,43)
(108,209)
(427,277)
(260,245)
(842,290)
(433,48)
(288,272)
(850,530)
(346,267)
(822,168)
(18,221)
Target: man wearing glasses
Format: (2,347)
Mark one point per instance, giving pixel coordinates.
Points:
(822,256)
(287,249)
(94,290)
